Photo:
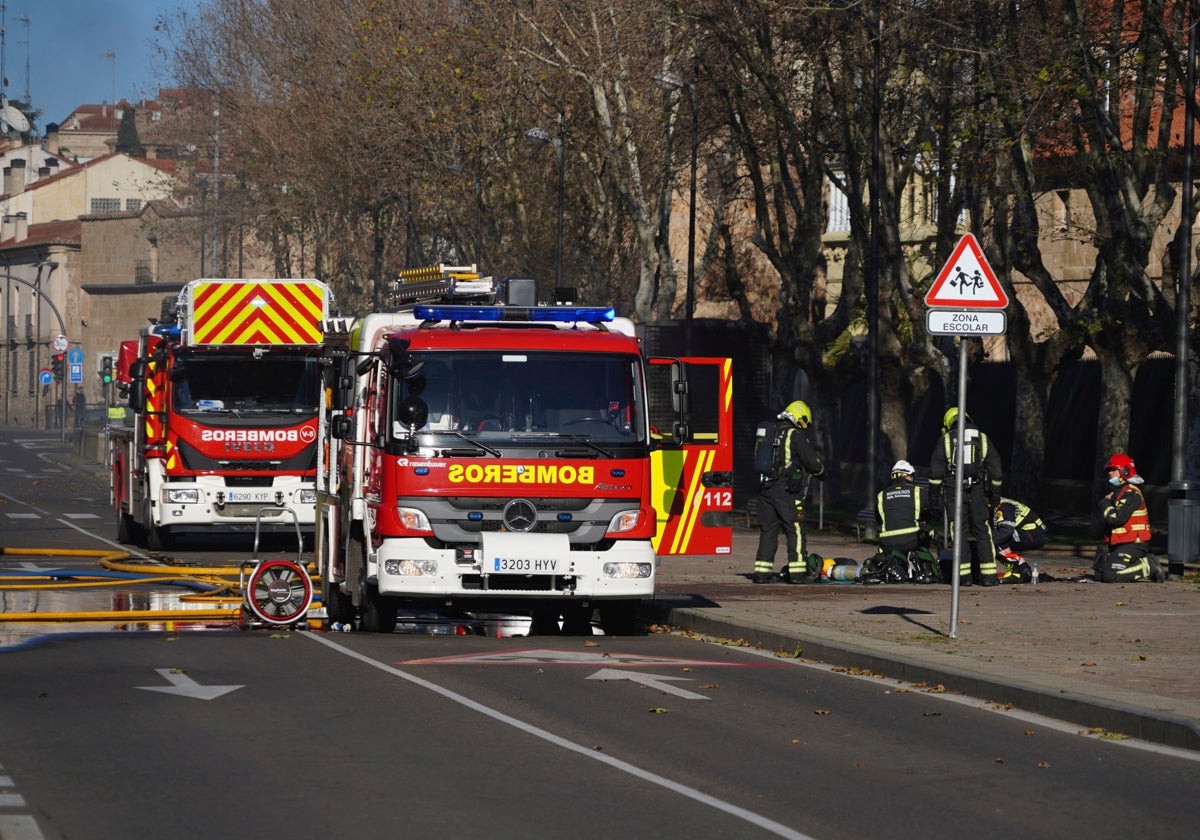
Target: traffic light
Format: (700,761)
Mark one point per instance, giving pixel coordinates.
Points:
(58,365)
(106,370)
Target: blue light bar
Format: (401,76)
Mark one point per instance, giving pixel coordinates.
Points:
(543,314)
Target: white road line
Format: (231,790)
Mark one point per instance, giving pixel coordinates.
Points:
(624,766)
(81,516)
(985,706)
(19,827)
(23,503)
(23,515)
(12,800)
(130,550)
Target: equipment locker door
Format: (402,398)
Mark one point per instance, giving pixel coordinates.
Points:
(693,480)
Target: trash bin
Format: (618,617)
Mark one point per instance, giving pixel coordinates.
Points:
(1183,524)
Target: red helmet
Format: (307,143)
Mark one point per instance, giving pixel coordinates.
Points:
(1123,464)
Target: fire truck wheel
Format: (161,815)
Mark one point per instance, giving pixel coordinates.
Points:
(128,531)
(338,606)
(619,618)
(158,538)
(378,613)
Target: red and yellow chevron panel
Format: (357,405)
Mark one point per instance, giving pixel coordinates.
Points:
(256,312)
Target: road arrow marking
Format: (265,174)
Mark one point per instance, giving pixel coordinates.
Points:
(650,681)
(185,686)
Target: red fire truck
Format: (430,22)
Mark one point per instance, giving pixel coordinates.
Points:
(480,452)
(224,391)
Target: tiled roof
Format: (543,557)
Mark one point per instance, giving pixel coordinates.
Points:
(48,233)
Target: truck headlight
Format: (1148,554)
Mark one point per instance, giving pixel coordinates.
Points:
(625,571)
(624,521)
(308,497)
(181,497)
(412,568)
(413,519)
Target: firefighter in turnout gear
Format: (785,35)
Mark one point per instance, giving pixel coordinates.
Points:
(1126,555)
(1016,529)
(981,480)
(901,507)
(781,500)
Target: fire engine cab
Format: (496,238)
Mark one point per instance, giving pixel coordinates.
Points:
(479,452)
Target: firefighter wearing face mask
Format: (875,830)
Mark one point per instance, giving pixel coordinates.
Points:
(981,479)
(1125,556)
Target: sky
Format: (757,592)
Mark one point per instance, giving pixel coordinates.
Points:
(65,42)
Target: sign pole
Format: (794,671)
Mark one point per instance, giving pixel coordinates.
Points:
(956,521)
(965,301)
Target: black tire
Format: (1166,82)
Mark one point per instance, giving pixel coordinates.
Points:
(338,605)
(158,538)
(378,613)
(619,618)
(128,531)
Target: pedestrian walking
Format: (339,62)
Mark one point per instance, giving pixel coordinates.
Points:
(781,495)
(80,407)
(981,476)
(1125,556)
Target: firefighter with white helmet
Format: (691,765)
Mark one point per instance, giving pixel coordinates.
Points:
(901,506)
(781,500)
(1126,554)
(981,473)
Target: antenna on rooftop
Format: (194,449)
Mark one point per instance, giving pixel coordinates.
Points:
(25,20)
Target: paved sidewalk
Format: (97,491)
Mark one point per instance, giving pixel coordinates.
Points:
(1123,658)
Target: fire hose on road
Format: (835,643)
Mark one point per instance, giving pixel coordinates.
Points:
(274,592)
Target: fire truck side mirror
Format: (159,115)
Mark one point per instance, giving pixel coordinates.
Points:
(137,385)
(342,427)
(402,365)
(343,395)
(679,390)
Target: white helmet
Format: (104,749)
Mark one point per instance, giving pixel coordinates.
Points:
(902,467)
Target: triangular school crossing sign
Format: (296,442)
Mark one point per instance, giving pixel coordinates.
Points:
(966,281)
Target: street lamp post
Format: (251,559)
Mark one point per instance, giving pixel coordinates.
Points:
(216,190)
(872,285)
(672,81)
(542,137)
(1179,549)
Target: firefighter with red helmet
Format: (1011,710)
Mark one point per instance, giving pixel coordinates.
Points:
(781,499)
(1125,556)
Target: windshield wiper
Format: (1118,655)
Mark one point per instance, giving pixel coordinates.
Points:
(488,449)
(586,441)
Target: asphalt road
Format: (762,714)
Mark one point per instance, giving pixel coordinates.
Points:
(241,733)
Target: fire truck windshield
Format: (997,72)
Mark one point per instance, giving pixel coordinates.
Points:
(529,395)
(274,383)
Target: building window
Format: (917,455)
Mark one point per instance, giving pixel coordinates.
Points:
(839,209)
(106,205)
(1063,211)
(133,204)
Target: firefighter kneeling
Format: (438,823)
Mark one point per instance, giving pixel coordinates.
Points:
(1016,529)
(1126,555)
